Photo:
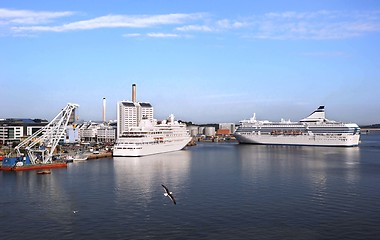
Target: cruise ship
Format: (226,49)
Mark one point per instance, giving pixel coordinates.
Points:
(314,130)
(152,138)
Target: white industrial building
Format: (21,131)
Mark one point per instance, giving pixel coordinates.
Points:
(88,131)
(201,130)
(106,134)
(130,113)
(229,126)
(16,129)
(210,131)
(96,132)
(193,130)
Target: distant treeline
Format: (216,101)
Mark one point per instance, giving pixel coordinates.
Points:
(188,123)
(201,125)
(371,126)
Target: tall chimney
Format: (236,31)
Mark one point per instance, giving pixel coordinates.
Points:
(133,92)
(104,109)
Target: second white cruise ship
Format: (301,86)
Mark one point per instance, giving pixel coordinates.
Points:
(314,130)
(152,138)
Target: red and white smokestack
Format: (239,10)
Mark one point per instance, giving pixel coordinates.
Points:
(104,109)
(133,92)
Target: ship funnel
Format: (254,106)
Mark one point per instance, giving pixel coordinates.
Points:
(316,116)
(134,93)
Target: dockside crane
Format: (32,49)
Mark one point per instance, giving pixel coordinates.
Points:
(41,145)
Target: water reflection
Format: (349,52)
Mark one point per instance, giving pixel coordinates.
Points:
(227,191)
(143,176)
(39,198)
(291,169)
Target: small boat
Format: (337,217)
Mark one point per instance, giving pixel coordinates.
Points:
(80,157)
(69,158)
(44,172)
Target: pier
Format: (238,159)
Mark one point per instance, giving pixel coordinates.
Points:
(369,130)
(99,155)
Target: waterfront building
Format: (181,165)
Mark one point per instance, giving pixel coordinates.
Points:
(131,113)
(209,131)
(97,132)
(193,130)
(106,134)
(15,129)
(229,126)
(201,130)
(72,134)
(88,131)
(223,132)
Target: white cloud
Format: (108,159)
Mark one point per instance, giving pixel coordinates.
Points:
(163,35)
(154,35)
(26,17)
(317,25)
(196,28)
(230,24)
(320,25)
(217,26)
(132,35)
(116,21)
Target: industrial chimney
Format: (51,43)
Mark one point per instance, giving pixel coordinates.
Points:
(104,110)
(134,93)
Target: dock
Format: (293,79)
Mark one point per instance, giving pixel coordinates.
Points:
(99,155)
(369,130)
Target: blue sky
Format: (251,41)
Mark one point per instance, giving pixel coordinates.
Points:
(203,60)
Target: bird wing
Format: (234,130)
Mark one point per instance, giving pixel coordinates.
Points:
(168,193)
(166,189)
(172,198)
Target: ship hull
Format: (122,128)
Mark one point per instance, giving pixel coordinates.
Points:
(137,150)
(10,164)
(34,167)
(302,140)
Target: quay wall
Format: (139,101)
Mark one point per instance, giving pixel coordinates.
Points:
(99,155)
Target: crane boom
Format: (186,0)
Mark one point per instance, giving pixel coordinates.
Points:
(41,145)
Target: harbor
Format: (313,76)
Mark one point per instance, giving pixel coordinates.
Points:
(63,140)
(275,192)
(193,120)
(44,148)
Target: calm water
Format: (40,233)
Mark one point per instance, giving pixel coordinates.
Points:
(223,191)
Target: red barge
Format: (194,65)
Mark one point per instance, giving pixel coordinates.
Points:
(23,163)
(39,147)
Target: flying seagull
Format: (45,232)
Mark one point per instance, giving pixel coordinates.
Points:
(168,193)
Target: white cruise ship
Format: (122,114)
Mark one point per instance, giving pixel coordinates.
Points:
(314,130)
(151,138)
